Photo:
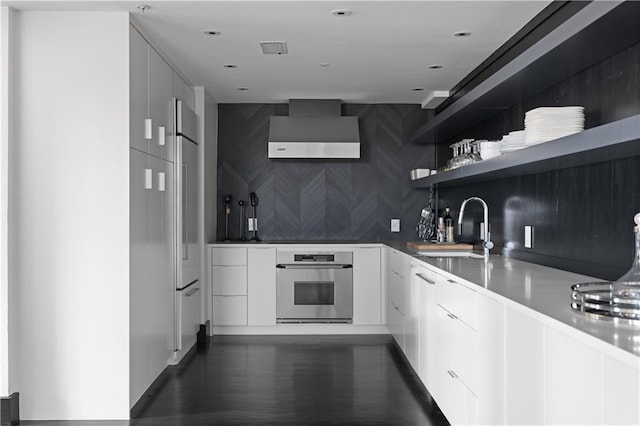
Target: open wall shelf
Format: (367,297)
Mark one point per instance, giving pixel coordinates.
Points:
(599,30)
(611,141)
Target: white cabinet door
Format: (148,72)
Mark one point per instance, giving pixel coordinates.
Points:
(261,286)
(367,290)
(182,91)
(395,324)
(412,318)
(620,392)
(524,365)
(228,256)
(160,106)
(428,347)
(152,287)
(229,280)
(573,381)
(490,369)
(229,310)
(138,86)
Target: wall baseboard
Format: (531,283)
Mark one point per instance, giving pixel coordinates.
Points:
(10,409)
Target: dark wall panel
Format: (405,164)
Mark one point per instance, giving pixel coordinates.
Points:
(583,216)
(318,199)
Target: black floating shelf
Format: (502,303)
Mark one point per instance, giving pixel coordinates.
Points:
(611,141)
(596,32)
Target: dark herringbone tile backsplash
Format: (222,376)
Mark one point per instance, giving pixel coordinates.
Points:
(323,200)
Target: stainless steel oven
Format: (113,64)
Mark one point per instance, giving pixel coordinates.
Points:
(314,287)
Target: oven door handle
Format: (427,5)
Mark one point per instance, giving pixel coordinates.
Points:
(337,266)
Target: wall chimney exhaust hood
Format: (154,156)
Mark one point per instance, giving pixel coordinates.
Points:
(314,129)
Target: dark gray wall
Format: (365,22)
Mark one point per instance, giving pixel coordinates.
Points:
(323,200)
(583,216)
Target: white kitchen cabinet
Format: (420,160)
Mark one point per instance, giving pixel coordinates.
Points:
(367,290)
(161,107)
(395,324)
(412,318)
(229,310)
(152,286)
(229,280)
(454,365)
(490,371)
(184,92)
(428,346)
(573,381)
(228,256)
(620,392)
(524,369)
(151,101)
(398,289)
(261,286)
(139,87)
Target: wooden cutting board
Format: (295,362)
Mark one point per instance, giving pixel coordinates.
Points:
(421,245)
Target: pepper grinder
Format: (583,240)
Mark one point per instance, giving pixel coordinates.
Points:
(242,220)
(227,211)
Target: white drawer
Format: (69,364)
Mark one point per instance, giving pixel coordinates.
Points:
(398,262)
(229,310)
(228,256)
(459,300)
(229,280)
(459,348)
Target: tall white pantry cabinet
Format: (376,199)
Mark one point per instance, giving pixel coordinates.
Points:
(94,238)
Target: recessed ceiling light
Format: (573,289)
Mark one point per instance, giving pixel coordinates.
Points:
(143,8)
(243,89)
(462,34)
(435,67)
(230,66)
(213,33)
(418,89)
(341,12)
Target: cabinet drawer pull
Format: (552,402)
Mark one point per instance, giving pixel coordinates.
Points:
(451,281)
(452,316)
(452,374)
(425,279)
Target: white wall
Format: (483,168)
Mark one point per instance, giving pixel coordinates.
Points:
(8,291)
(73,209)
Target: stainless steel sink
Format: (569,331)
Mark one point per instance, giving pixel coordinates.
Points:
(452,253)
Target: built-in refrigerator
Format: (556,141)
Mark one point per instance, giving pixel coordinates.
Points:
(188,283)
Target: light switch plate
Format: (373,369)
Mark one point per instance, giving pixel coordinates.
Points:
(528,237)
(395,225)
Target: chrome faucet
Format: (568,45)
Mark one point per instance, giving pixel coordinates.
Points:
(487,244)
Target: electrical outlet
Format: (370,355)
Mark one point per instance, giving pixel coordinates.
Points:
(395,225)
(528,237)
(482,230)
(252,224)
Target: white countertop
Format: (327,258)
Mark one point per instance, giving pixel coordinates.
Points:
(541,289)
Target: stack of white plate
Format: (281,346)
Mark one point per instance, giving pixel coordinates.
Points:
(489,149)
(547,123)
(419,173)
(513,141)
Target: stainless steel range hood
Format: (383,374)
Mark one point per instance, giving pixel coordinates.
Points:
(314,129)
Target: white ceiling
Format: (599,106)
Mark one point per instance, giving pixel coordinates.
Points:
(378,54)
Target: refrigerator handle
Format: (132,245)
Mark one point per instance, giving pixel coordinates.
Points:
(185,216)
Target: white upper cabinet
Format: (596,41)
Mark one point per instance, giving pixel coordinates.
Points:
(184,92)
(151,99)
(160,107)
(138,86)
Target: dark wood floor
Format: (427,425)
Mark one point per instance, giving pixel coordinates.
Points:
(286,380)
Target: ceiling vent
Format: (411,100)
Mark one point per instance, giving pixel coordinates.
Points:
(274,47)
